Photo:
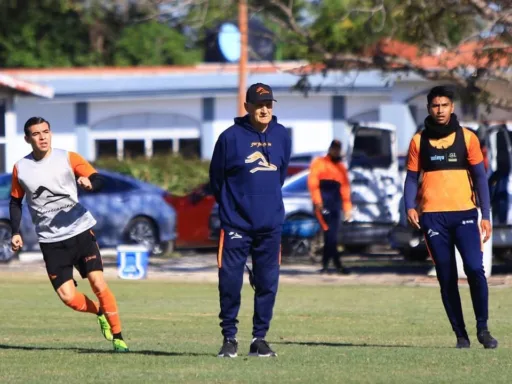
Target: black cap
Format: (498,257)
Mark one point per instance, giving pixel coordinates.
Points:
(335,144)
(259,92)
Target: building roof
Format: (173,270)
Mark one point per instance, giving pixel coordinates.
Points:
(23,86)
(204,79)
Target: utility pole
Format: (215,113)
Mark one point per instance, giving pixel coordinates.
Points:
(242,63)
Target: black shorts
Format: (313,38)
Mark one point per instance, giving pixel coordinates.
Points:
(80,251)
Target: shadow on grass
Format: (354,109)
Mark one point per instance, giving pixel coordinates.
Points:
(328,344)
(92,350)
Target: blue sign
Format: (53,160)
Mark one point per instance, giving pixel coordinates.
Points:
(132,262)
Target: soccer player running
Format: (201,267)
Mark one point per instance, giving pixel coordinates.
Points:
(48,179)
(329,186)
(247,171)
(451,163)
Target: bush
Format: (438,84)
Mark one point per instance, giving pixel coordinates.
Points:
(173,173)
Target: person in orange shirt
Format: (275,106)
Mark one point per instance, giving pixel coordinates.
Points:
(444,207)
(329,186)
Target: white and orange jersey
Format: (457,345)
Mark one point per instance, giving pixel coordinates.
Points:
(51,194)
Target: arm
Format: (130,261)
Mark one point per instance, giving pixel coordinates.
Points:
(217,167)
(478,174)
(411,189)
(314,183)
(17,193)
(287,154)
(411,184)
(479,177)
(345,191)
(88,177)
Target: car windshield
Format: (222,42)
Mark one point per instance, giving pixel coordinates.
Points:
(299,185)
(372,148)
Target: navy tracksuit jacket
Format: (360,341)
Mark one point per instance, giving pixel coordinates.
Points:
(247,171)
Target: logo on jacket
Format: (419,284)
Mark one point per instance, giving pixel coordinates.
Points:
(234,235)
(452,157)
(437,158)
(49,196)
(263,164)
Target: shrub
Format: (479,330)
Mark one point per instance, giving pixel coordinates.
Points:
(175,174)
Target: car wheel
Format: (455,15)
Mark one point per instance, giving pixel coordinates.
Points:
(6,253)
(143,231)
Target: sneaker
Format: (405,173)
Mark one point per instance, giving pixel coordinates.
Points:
(105,328)
(462,342)
(229,348)
(120,345)
(485,338)
(260,348)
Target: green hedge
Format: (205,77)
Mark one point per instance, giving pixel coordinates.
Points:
(173,173)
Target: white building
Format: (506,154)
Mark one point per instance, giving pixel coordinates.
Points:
(121,111)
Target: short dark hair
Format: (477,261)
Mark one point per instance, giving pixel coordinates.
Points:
(34,121)
(440,91)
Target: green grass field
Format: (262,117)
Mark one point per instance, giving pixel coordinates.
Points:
(324,334)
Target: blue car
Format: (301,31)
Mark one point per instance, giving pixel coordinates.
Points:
(127,211)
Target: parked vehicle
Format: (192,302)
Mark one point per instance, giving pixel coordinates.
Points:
(126,210)
(192,218)
(375,183)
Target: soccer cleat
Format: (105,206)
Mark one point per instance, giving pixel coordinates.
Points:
(462,342)
(260,348)
(485,338)
(120,345)
(105,327)
(229,348)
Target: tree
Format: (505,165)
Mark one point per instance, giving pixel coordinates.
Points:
(365,34)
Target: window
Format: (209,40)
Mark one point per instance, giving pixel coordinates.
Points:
(162,147)
(133,148)
(5,187)
(190,147)
(106,148)
(111,185)
(300,185)
(372,148)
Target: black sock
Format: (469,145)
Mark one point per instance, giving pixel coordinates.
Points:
(118,336)
(100,312)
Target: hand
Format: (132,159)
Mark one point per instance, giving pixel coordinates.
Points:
(16,243)
(413,218)
(486,229)
(347,216)
(84,183)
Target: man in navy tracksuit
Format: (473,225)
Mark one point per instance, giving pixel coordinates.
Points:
(247,171)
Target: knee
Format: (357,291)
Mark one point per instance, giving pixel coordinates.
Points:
(97,282)
(474,270)
(66,295)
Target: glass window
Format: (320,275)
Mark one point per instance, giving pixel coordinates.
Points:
(106,148)
(300,159)
(190,147)
(111,185)
(162,147)
(300,185)
(134,148)
(372,148)
(5,187)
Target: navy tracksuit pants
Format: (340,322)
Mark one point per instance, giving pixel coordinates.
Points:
(332,219)
(234,248)
(443,231)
